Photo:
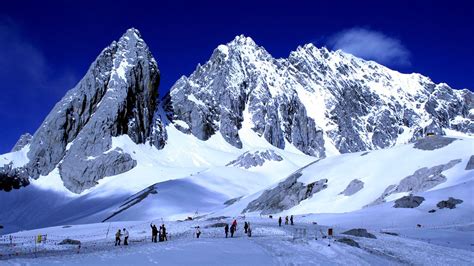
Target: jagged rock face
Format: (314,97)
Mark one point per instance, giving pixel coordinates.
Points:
(285,195)
(12,178)
(242,81)
(409,201)
(117,96)
(357,104)
(450,203)
(354,186)
(470,164)
(253,159)
(421,180)
(24,140)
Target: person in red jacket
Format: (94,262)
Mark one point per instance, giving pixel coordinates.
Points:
(234,224)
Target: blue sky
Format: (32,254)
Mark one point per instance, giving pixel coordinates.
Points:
(47,46)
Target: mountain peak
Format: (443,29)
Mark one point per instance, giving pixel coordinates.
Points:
(240,40)
(132,33)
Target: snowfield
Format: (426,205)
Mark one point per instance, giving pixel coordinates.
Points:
(212,183)
(301,244)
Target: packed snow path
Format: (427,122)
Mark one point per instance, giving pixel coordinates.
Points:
(269,245)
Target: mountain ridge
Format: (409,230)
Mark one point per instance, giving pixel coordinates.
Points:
(321,102)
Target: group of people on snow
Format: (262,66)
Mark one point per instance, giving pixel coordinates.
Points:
(118,237)
(233,229)
(286,220)
(161,235)
(158,234)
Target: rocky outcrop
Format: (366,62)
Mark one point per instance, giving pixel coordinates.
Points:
(12,178)
(425,178)
(116,96)
(470,163)
(421,180)
(408,202)
(432,143)
(285,195)
(257,158)
(450,203)
(354,186)
(24,140)
(359,232)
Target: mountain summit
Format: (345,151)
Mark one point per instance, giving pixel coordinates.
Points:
(321,102)
(316,101)
(118,95)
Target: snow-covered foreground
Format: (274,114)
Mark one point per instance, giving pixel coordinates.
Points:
(301,244)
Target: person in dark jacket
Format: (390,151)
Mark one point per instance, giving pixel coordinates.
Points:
(226,230)
(286,220)
(232,230)
(279,221)
(154,233)
(117,237)
(246,226)
(198,232)
(291,220)
(249,230)
(163,233)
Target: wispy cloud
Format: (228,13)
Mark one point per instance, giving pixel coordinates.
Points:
(371,45)
(24,66)
(29,83)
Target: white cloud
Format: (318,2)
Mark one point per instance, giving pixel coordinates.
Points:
(371,45)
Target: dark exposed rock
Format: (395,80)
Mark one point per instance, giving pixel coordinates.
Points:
(349,242)
(13,178)
(408,202)
(359,232)
(470,163)
(354,186)
(258,158)
(421,180)
(24,140)
(232,201)
(285,195)
(433,142)
(389,233)
(68,241)
(450,203)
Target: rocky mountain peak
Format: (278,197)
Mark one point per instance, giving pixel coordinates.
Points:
(118,95)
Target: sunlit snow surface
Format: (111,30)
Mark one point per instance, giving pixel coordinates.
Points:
(191,178)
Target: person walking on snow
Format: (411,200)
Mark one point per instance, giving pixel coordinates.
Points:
(125,237)
(246,226)
(226,230)
(198,232)
(286,220)
(163,233)
(234,224)
(291,220)
(117,237)
(249,230)
(232,230)
(154,233)
(279,221)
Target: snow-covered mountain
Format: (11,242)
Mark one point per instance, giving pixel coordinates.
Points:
(245,133)
(320,101)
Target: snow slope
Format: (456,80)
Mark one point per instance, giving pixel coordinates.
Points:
(46,202)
